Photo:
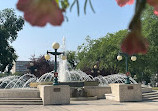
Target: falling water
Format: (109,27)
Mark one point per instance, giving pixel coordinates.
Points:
(23,81)
(63,75)
(74,75)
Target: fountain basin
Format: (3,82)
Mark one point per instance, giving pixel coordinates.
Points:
(80,83)
(19,93)
(35,84)
(71,84)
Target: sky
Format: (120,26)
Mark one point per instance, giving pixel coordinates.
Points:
(109,18)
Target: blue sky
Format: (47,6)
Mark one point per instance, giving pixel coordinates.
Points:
(109,18)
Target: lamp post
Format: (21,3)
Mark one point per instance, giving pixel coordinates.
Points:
(55,46)
(32,68)
(95,70)
(156,79)
(133,58)
(135,77)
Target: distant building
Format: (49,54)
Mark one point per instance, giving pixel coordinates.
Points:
(20,66)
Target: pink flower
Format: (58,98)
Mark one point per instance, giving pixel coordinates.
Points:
(156,11)
(41,12)
(154,3)
(134,43)
(122,3)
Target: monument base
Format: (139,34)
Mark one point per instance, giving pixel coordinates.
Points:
(125,92)
(52,95)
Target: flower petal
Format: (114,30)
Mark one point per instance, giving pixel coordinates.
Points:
(156,10)
(23,4)
(122,3)
(40,12)
(134,43)
(154,3)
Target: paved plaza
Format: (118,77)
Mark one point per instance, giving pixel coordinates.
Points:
(93,105)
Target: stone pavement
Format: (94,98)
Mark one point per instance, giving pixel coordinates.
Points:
(93,105)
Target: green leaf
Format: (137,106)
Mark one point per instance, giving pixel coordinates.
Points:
(78,8)
(91,6)
(85,6)
(72,5)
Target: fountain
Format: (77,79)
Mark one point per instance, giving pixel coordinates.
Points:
(70,77)
(76,78)
(63,75)
(82,85)
(73,77)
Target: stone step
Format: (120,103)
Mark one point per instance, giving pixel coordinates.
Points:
(153,94)
(83,98)
(151,98)
(146,89)
(109,97)
(21,101)
(150,93)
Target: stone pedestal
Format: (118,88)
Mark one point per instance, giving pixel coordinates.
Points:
(58,94)
(125,92)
